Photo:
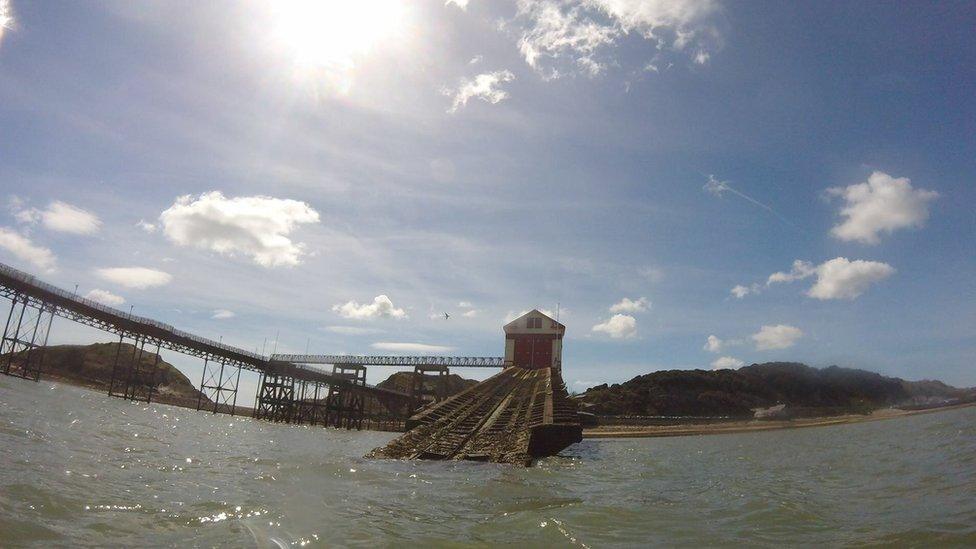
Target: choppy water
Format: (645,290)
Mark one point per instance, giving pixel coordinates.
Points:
(79,468)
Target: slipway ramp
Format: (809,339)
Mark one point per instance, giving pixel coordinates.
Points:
(515,416)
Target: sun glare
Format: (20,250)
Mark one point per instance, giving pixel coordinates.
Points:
(6,16)
(329,38)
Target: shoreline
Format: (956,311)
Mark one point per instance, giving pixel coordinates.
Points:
(610,431)
(750,426)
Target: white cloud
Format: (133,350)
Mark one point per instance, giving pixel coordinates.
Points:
(780,336)
(463,4)
(627,305)
(27,216)
(58,216)
(568,36)
(838,278)
(63,217)
(146,226)
(410,347)
(139,278)
(739,291)
(485,86)
(25,250)
(882,204)
(221,314)
(470,314)
(713,345)
(465,304)
(843,279)
(727,363)
(800,270)
(105,297)
(702,57)
(256,226)
(618,327)
(381,307)
(553,33)
(351,330)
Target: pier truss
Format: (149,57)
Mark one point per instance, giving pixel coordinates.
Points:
(25,336)
(35,303)
(364,360)
(430,375)
(218,384)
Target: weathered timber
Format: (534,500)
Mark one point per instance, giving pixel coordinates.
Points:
(515,416)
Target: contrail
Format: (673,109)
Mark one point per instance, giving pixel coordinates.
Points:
(716,187)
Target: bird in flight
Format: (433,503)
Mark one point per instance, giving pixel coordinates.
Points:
(446,316)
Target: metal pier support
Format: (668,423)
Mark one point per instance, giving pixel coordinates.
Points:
(134,375)
(346,405)
(276,398)
(218,384)
(310,405)
(24,338)
(429,385)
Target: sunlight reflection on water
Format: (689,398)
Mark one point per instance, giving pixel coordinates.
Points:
(84,469)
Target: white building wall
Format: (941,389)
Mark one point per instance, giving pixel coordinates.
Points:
(509,352)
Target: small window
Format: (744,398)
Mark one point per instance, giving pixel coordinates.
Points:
(533,323)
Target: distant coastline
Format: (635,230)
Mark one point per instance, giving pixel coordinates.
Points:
(633,431)
(808,397)
(751,426)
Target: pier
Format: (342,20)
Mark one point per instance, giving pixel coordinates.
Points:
(519,414)
(292,388)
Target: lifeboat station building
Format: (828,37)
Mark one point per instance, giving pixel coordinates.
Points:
(534,340)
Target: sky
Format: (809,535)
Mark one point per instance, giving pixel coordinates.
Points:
(690,184)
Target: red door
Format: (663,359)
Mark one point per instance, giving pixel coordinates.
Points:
(542,353)
(533,352)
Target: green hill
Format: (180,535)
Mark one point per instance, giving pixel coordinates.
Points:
(805,391)
(91,366)
(403,381)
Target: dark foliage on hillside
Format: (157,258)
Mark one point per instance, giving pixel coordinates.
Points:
(91,366)
(402,381)
(734,393)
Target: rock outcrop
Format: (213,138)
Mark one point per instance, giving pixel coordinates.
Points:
(91,366)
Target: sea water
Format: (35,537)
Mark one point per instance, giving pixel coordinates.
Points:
(78,468)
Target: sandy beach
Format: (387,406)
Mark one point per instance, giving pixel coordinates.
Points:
(647,431)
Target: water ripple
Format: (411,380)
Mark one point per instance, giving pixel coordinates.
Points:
(88,470)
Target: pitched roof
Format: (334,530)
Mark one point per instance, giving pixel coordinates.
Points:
(534,312)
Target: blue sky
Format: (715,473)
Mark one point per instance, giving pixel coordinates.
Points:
(288,164)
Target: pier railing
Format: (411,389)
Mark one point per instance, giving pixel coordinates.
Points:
(393,360)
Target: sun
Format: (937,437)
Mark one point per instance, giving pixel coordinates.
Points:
(6,16)
(330,37)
